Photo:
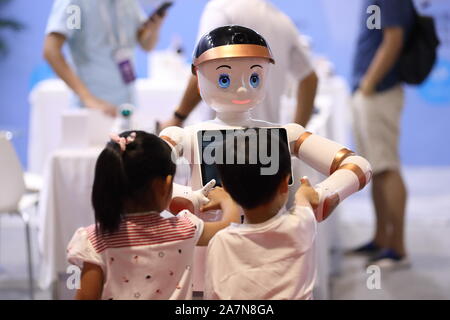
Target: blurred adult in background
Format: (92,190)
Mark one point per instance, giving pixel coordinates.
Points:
(101,43)
(377,105)
(284,40)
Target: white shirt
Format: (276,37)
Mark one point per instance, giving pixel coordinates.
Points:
(271,260)
(291,57)
(149,257)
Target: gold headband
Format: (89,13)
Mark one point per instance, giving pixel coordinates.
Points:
(234,51)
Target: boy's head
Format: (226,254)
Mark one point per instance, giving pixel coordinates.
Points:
(249,182)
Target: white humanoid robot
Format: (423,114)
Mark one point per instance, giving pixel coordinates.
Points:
(232,64)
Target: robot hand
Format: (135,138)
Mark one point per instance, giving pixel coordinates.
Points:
(347,172)
(200,196)
(328,201)
(183,198)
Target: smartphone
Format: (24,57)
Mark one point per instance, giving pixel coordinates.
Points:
(209,171)
(161,9)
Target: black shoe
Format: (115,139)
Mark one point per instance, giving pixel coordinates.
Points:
(390,260)
(368,249)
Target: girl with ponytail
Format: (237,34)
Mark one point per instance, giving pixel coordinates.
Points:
(132,251)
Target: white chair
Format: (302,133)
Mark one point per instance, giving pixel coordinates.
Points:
(33,182)
(13,197)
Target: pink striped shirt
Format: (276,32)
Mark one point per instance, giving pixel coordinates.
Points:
(149,257)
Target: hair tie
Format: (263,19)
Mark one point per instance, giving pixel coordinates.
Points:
(122,141)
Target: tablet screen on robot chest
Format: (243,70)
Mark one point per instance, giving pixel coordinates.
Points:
(213,146)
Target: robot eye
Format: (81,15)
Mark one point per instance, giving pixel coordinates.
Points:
(254,80)
(224,81)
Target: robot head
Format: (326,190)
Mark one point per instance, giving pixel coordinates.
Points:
(232,64)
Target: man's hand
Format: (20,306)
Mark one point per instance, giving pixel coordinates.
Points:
(189,101)
(306,93)
(217,197)
(366,88)
(92,102)
(172,122)
(385,58)
(148,33)
(306,195)
(154,22)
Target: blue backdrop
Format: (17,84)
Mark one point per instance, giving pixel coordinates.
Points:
(332,25)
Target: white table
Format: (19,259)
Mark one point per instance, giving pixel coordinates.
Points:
(65,205)
(51,99)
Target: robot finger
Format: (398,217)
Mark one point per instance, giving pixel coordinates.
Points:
(208,187)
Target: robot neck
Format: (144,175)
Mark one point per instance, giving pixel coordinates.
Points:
(234,118)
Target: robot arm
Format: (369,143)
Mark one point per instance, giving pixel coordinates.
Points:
(348,172)
(184,198)
(174,138)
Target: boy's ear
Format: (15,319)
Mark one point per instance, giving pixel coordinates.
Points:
(168,183)
(284,185)
(162,183)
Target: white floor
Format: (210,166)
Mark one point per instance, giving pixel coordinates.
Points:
(428,239)
(428,242)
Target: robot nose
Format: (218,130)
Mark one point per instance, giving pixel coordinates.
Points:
(241,89)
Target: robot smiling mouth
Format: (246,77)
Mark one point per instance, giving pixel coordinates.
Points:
(241,101)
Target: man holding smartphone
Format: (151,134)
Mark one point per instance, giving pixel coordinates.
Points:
(101,46)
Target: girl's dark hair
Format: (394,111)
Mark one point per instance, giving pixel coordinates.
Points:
(121,175)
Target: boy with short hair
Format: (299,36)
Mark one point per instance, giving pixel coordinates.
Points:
(270,255)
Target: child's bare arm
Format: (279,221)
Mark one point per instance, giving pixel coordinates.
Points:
(91,286)
(219,199)
(306,196)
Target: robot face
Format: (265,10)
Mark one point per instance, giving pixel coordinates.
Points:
(233,84)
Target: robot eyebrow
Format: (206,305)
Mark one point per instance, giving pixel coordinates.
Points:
(223,66)
(256,65)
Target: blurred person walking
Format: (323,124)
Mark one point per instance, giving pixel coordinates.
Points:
(377,105)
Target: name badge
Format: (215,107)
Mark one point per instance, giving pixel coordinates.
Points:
(123,60)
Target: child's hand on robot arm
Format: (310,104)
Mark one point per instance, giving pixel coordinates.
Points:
(216,197)
(219,199)
(201,195)
(183,198)
(348,172)
(306,195)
